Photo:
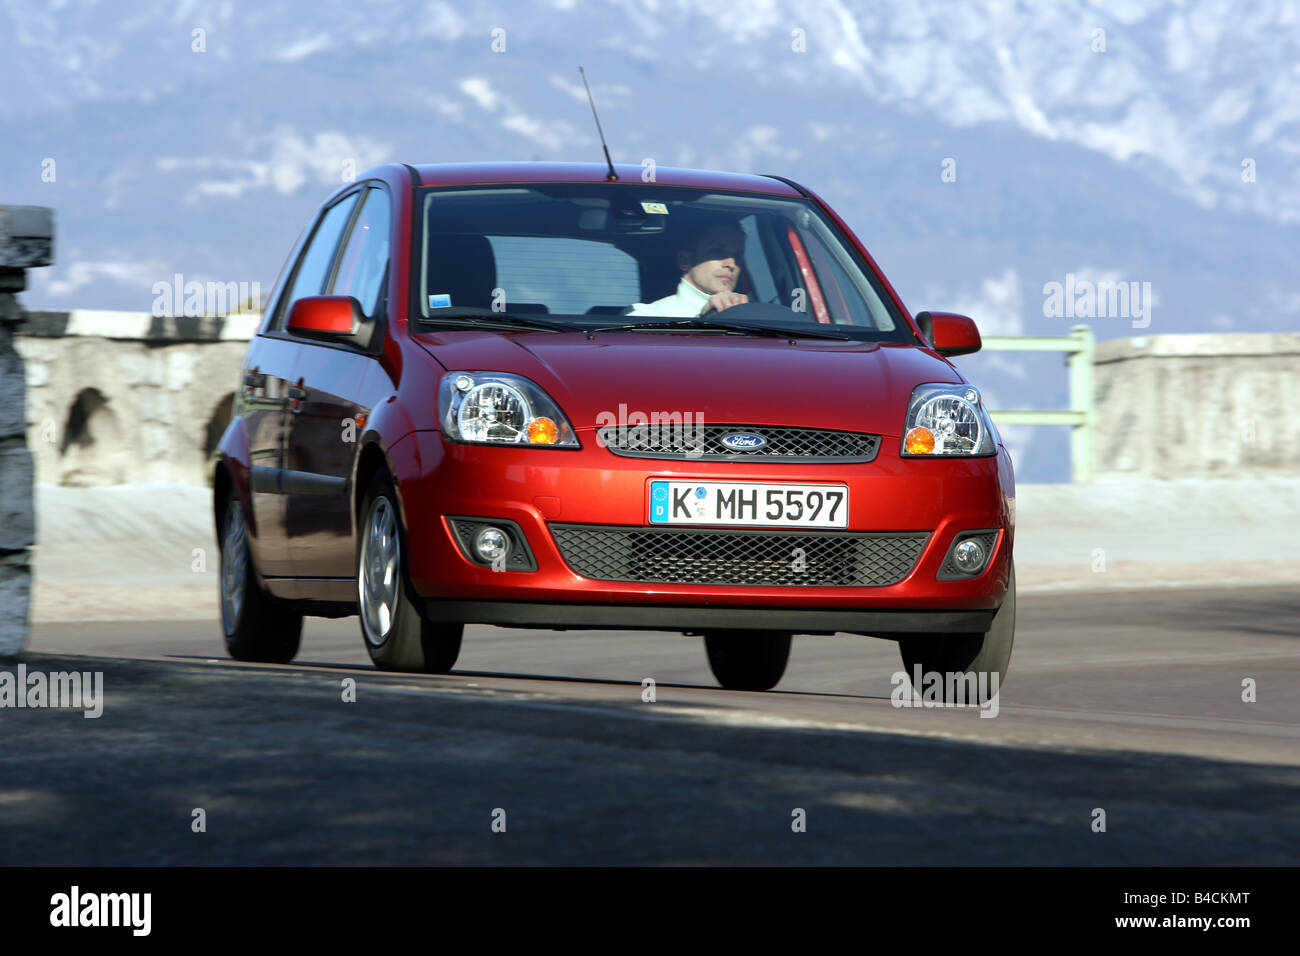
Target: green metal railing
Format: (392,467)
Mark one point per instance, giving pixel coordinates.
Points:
(1081,416)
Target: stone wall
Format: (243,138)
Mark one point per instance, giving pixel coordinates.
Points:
(127,397)
(1198,406)
(26,241)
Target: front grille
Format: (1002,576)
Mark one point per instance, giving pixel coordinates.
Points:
(743,557)
(699,442)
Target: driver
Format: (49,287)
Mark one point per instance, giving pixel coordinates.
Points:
(710,270)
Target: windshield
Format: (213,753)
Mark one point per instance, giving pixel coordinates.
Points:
(609,255)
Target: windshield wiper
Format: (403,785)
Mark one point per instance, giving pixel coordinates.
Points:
(716,326)
(485,319)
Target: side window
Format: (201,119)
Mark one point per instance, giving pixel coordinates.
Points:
(830,280)
(365,257)
(314,266)
(846,308)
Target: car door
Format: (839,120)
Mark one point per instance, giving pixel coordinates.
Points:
(327,423)
(271,390)
(267,374)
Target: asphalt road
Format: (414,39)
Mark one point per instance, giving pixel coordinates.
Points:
(1126,703)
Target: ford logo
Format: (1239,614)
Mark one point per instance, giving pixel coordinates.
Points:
(743,440)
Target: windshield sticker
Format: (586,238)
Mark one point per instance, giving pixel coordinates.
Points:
(440,301)
(655,207)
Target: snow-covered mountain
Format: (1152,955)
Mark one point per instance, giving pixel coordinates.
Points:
(981,150)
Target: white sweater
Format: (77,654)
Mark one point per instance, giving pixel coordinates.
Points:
(686,302)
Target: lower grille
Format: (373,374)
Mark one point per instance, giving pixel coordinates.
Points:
(739,557)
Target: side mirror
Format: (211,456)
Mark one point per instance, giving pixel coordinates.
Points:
(949,333)
(326,316)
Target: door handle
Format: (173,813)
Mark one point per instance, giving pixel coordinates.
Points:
(297,394)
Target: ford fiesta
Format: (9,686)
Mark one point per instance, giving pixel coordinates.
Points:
(559,396)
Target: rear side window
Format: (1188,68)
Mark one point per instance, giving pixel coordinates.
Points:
(365,257)
(565,275)
(316,262)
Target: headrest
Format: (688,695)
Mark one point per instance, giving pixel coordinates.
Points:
(462,267)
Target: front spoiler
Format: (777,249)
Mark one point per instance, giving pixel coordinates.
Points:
(667,617)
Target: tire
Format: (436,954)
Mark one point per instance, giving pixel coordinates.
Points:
(747,660)
(988,653)
(396,634)
(256,626)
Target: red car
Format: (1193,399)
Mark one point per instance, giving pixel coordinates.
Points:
(560,396)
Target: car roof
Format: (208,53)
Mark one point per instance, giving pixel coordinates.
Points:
(455,174)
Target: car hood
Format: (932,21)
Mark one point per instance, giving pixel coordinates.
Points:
(728,379)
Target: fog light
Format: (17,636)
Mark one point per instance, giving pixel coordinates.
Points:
(968,556)
(491,544)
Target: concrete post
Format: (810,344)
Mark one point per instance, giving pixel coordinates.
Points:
(26,241)
(1083,397)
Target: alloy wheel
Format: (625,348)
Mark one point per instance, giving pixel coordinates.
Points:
(379,579)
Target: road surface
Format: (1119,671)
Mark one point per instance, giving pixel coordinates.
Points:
(1126,703)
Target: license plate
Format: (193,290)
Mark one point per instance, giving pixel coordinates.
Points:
(739,503)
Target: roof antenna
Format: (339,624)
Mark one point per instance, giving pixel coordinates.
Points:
(613,176)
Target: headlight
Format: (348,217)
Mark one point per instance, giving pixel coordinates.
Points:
(496,408)
(947,421)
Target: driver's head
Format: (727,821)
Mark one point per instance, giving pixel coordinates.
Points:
(712,262)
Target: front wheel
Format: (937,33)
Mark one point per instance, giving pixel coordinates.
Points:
(747,660)
(396,633)
(971,667)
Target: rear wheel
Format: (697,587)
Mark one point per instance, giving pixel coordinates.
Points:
(396,634)
(747,660)
(975,659)
(256,626)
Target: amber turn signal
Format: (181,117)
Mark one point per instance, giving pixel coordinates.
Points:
(919,441)
(543,431)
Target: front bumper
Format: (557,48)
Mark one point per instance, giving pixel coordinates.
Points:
(694,617)
(536,488)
